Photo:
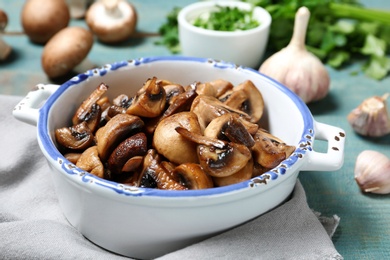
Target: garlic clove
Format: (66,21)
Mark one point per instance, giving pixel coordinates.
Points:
(297,68)
(372,172)
(371,117)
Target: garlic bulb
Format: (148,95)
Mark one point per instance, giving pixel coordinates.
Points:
(372,172)
(297,68)
(371,118)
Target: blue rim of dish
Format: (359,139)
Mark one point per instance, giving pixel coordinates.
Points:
(86,178)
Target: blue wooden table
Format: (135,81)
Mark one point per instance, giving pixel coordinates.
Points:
(364,231)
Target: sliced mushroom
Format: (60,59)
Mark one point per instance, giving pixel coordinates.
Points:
(149,101)
(90,161)
(207,108)
(242,175)
(215,88)
(164,177)
(77,137)
(172,90)
(133,164)
(89,110)
(115,131)
(269,150)
(147,178)
(135,145)
(171,144)
(218,158)
(247,98)
(192,176)
(229,127)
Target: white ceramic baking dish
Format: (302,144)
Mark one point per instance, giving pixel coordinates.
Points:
(144,222)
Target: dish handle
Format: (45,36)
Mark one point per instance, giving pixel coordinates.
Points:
(27,110)
(333,159)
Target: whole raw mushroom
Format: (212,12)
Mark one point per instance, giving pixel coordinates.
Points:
(5,49)
(42,19)
(112,21)
(65,50)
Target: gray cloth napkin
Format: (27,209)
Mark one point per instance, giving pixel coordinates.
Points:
(32,225)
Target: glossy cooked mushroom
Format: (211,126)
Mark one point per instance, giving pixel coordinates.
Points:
(171,144)
(149,100)
(115,131)
(215,88)
(89,110)
(242,175)
(135,145)
(230,128)
(90,161)
(42,19)
(77,137)
(207,108)
(218,158)
(112,21)
(246,98)
(67,50)
(269,150)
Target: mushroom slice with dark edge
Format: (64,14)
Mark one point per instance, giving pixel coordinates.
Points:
(77,137)
(115,131)
(147,178)
(269,150)
(186,176)
(90,161)
(173,145)
(135,145)
(242,175)
(112,21)
(247,98)
(89,110)
(229,127)
(207,108)
(149,100)
(215,88)
(218,158)
(65,50)
(171,90)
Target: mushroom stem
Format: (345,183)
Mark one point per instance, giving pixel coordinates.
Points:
(5,49)
(111,7)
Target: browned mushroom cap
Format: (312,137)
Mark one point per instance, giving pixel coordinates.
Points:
(171,90)
(135,145)
(207,108)
(42,19)
(269,150)
(90,161)
(229,127)
(215,88)
(218,158)
(240,176)
(171,144)
(247,98)
(78,137)
(164,177)
(112,21)
(65,50)
(89,110)
(149,101)
(116,129)
(192,176)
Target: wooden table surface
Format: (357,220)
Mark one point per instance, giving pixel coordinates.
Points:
(364,231)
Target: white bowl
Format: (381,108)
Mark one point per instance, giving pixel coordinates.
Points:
(144,222)
(244,48)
